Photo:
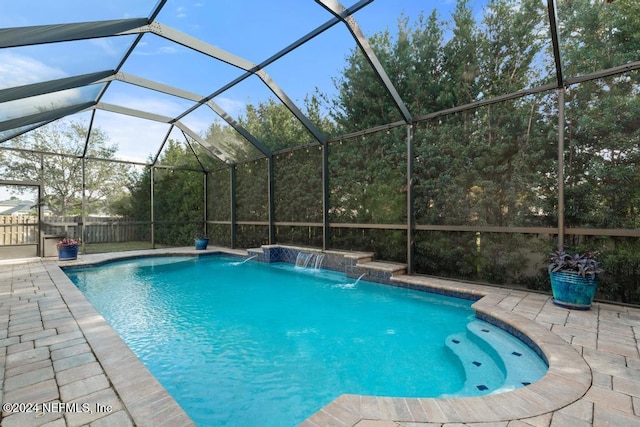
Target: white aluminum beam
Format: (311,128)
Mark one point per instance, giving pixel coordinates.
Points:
(156,86)
(196,44)
(149,84)
(133,112)
(216,151)
(226,57)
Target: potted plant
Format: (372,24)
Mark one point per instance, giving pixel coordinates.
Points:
(574,278)
(68,249)
(202,240)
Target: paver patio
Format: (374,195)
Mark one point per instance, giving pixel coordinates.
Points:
(56,349)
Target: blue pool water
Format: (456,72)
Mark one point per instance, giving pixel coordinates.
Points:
(236,343)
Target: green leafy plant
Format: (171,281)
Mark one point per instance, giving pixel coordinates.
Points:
(583,264)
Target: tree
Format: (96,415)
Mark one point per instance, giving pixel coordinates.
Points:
(603,115)
(178,196)
(60,169)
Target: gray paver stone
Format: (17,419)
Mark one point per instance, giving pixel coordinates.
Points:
(604,416)
(102,403)
(120,419)
(77,389)
(26,357)
(27,378)
(21,369)
(16,348)
(24,419)
(70,351)
(41,392)
(37,335)
(73,361)
(78,373)
(59,338)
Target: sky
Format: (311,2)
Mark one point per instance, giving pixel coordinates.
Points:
(250,29)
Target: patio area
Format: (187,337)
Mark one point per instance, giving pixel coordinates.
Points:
(55,348)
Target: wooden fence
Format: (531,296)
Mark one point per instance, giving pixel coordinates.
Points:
(18,230)
(23,229)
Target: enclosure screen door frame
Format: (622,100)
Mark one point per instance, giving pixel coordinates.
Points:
(38,186)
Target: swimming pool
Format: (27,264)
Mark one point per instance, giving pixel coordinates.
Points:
(235,343)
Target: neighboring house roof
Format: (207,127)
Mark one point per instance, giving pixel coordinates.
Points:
(16,207)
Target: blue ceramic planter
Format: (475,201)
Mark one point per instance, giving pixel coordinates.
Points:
(66,253)
(201,244)
(570,290)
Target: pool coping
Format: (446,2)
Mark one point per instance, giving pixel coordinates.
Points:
(568,379)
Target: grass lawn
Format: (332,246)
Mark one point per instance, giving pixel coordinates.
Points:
(94,248)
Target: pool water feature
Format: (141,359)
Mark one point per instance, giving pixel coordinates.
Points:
(236,343)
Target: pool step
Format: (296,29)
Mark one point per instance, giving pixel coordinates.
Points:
(482,373)
(493,360)
(519,363)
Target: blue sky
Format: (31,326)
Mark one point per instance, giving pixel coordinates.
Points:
(251,29)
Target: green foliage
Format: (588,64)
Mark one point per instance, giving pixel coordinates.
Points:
(252,191)
(603,123)
(274,125)
(388,245)
(446,254)
(582,263)
(178,197)
(368,179)
(225,142)
(621,279)
(219,197)
(105,182)
(298,186)
(300,236)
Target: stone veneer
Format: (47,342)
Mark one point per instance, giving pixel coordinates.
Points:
(353,264)
(341,261)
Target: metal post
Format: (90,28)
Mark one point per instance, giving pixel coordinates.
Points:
(206,205)
(83,229)
(561,168)
(41,201)
(270,194)
(232,188)
(153,216)
(325,197)
(40,219)
(411,220)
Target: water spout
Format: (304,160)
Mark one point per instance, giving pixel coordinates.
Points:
(318,263)
(361,276)
(309,260)
(250,258)
(302,260)
(242,262)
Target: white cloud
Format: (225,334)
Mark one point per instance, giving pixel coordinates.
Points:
(48,101)
(162,50)
(164,106)
(18,70)
(199,120)
(106,45)
(136,138)
(233,107)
